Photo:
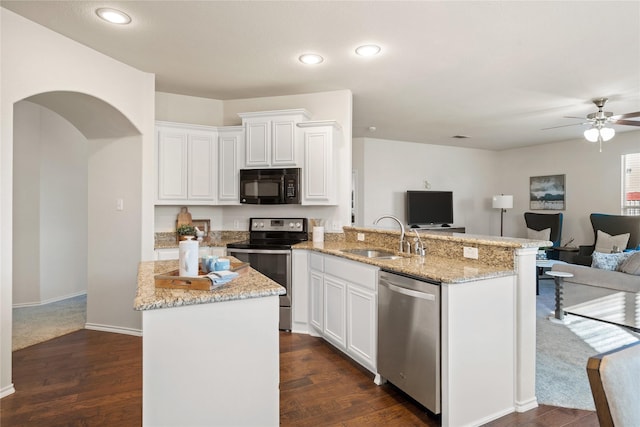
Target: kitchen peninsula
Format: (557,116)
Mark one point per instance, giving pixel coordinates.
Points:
(209,357)
(487,311)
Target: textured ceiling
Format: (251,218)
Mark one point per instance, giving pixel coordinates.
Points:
(498,72)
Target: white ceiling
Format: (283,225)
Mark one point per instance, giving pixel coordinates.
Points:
(497,71)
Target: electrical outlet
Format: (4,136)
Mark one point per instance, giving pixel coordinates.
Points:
(236,224)
(470,252)
(360,237)
(335,226)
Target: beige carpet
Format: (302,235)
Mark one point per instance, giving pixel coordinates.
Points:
(33,325)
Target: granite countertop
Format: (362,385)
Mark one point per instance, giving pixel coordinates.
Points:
(432,267)
(249,284)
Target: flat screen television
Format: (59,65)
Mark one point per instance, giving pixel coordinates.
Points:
(429,208)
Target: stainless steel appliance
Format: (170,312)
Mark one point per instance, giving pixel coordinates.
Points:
(268,250)
(270,186)
(409,337)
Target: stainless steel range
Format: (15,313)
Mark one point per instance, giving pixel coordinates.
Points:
(268,250)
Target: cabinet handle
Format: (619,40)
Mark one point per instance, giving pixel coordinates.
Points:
(408,292)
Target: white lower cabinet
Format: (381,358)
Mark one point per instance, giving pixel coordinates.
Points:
(362,311)
(173,253)
(335,319)
(343,305)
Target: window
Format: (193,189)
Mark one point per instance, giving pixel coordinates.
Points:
(631,184)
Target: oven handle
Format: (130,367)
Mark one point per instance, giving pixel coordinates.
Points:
(260,251)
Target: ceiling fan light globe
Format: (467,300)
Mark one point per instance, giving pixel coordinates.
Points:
(607,133)
(591,135)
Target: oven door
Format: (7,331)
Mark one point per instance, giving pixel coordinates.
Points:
(276,265)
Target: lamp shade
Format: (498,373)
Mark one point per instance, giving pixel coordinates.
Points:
(607,133)
(591,134)
(502,202)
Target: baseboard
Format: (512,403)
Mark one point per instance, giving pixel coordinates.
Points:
(115,329)
(527,405)
(6,391)
(49,301)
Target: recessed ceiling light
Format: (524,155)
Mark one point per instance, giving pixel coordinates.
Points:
(114,16)
(311,58)
(368,50)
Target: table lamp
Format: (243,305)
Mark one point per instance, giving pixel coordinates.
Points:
(503,203)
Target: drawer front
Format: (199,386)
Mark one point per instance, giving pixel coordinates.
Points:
(352,271)
(316,262)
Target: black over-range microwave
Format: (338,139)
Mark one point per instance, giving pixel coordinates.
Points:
(270,186)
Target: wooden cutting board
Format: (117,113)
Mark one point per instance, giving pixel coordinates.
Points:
(184,217)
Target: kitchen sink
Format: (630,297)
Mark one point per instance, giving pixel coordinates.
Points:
(372,253)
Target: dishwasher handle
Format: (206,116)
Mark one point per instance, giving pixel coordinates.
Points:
(405,291)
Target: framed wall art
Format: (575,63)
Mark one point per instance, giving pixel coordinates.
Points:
(547,192)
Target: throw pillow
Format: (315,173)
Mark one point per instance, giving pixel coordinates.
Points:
(609,261)
(632,264)
(605,242)
(538,235)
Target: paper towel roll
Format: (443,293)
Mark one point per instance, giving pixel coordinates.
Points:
(188,258)
(318,234)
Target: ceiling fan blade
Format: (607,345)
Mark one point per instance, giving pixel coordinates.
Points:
(626,116)
(573,117)
(564,126)
(626,122)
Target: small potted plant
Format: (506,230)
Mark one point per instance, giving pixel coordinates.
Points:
(186,230)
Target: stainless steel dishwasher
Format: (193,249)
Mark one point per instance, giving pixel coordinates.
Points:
(409,337)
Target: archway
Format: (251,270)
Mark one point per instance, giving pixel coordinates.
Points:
(56,136)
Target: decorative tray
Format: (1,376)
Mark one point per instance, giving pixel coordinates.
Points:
(171,280)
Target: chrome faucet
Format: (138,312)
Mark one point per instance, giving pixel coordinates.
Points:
(401,228)
(419,245)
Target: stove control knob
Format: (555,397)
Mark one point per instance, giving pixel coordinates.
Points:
(261,225)
(297,225)
(290,225)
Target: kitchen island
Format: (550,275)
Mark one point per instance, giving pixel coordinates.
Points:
(487,311)
(209,357)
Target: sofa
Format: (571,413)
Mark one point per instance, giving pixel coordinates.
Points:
(608,291)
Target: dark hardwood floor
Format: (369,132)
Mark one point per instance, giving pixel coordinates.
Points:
(90,378)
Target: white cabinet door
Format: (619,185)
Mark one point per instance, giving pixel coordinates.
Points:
(272,138)
(283,142)
(230,149)
(186,164)
(172,164)
(258,143)
(165,254)
(362,307)
(335,319)
(316,301)
(319,183)
(201,167)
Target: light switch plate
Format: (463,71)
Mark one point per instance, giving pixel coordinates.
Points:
(361,237)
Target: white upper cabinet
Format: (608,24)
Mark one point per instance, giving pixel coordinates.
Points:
(321,141)
(272,138)
(230,158)
(186,161)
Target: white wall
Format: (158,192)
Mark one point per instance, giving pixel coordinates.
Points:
(36,60)
(113,273)
(389,168)
(50,161)
(592,179)
(334,105)
(171,107)
(26,207)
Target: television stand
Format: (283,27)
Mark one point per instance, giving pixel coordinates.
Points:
(440,228)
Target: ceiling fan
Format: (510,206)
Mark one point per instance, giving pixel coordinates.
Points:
(598,132)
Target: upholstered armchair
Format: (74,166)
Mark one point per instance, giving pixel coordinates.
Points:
(612,225)
(537,222)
